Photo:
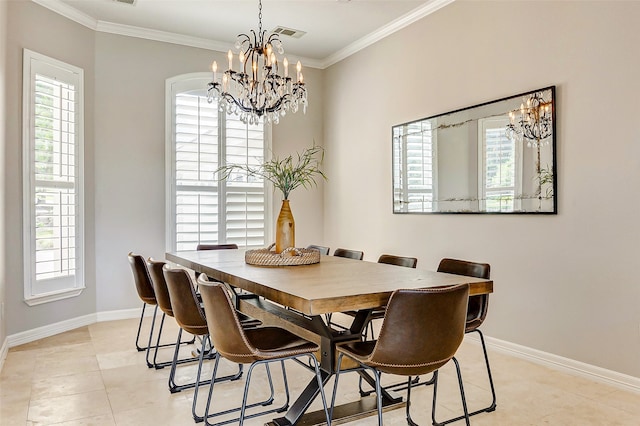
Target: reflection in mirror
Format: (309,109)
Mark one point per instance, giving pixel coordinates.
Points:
(497,157)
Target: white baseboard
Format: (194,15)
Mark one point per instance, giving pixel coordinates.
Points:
(567,365)
(62,326)
(4,350)
(123,314)
(50,330)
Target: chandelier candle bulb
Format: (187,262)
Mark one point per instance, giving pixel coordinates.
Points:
(230,56)
(214,68)
(285,62)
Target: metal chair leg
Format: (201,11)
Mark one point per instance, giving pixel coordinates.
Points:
(377,375)
(138,347)
(266,402)
(160,365)
(335,384)
(491,406)
(199,383)
(462,396)
(410,421)
(321,388)
(464,400)
(397,387)
(153,323)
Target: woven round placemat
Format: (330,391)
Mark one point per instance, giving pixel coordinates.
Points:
(289,257)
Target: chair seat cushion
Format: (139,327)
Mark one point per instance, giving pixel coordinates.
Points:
(273,342)
(358,350)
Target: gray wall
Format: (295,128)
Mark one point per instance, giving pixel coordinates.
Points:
(33,27)
(564,284)
(3,145)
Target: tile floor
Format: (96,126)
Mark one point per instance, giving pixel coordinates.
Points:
(94,376)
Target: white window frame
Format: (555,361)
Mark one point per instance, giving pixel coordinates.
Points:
(196,81)
(401,190)
(51,289)
(497,123)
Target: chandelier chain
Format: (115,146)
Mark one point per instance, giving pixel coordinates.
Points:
(260,17)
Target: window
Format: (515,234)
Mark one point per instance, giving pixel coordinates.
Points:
(53,179)
(200,138)
(500,167)
(413,154)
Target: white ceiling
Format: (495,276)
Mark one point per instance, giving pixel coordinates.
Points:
(334,28)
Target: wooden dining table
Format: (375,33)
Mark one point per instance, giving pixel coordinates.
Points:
(297,297)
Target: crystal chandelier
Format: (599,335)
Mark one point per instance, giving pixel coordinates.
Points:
(532,122)
(257,89)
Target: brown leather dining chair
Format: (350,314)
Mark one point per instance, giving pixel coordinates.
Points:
(350,254)
(164,302)
(421,331)
(322,249)
(147,294)
(262,345)
(476,314)
(191,318)
(216,246)
(238,294)
(389,259)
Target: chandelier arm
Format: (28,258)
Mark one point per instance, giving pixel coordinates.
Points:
(257,89)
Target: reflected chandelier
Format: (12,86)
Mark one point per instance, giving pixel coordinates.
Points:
(257,89)
(532,122)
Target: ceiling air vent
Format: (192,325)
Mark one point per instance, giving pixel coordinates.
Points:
(131,2)
(289,32)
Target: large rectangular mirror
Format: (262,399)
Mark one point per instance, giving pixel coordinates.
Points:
(497,157)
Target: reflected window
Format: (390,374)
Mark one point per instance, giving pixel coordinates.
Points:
(500,167)
(413,167)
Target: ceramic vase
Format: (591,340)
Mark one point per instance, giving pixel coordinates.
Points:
(285,228)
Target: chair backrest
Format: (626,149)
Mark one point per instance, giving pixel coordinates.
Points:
(184,301)
(478,304)
(408,262)
(142,279)
(421,331)
(322,249)
(225,330)
(351,254)
(160,286)
(216,246)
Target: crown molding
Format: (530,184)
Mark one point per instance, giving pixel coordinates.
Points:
(167,37)
(163,36)
(385,31)
(180,39)
(68,12)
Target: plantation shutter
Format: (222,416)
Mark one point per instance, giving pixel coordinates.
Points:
(413,167)
(204,210)
(499,170)
(53,179)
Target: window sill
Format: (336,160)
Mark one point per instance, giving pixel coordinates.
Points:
(39,299)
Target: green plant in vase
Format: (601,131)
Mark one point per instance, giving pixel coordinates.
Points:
(285,174)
